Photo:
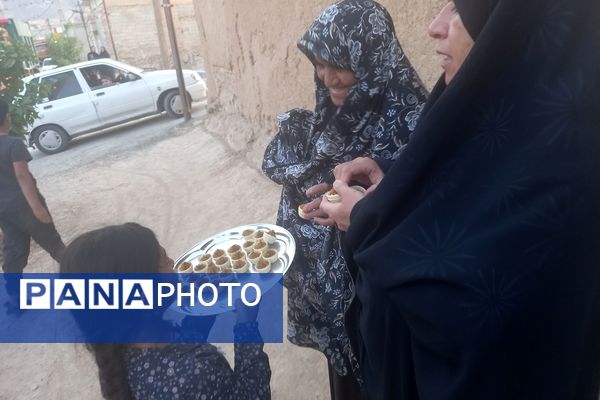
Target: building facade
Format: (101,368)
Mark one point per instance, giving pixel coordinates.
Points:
(255,69)
(140,36)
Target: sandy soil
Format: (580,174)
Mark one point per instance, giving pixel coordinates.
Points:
(186,187)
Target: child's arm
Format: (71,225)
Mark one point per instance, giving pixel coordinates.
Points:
(251,378)
(252,367)
(29,189)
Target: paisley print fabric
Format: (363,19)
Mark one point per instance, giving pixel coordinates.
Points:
(377,119)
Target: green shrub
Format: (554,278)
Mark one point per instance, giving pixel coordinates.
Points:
(63,50)
(14,55)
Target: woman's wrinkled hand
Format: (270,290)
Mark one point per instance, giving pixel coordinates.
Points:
(312,210)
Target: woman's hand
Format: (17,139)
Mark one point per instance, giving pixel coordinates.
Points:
(312,210)
(340,212)
(361,170)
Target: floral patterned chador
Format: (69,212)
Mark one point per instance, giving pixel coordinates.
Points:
(376,120)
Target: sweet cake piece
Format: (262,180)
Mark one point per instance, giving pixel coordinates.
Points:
(185,267)
(254,257)
(247,234)
(270,237)
(234,249)
(222,262)
(218,254)
(202,267)
(213,269)
(270,255)
(263,266)
(301,213)
(248,246)
(239,266)
(240,255)
(260,245)
(333,197)
(205,258)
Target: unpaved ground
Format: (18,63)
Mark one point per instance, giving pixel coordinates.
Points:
(185,187)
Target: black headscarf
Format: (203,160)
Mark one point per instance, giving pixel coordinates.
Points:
(475,14)
(478,272)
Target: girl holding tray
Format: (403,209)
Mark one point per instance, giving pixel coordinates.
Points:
(160,371)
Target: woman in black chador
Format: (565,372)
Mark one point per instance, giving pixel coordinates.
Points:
(477,256)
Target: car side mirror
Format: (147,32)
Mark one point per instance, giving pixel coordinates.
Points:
(131,77)
(45,100)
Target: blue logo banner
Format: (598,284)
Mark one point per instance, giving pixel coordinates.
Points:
(141,308)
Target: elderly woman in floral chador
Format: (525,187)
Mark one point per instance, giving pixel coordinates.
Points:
(368,101)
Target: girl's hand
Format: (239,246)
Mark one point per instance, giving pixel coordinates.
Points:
(244,313)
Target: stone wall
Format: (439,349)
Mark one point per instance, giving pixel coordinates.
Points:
(255,69)
(136,33)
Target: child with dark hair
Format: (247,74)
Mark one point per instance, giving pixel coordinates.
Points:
(23,211)
(161,371)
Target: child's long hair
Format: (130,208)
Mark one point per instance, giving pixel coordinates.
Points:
(127,248)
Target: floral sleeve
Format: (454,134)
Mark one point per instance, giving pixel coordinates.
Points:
(288,158)
(250,380)
(201,372)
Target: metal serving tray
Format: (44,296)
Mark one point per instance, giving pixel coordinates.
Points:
(284,245)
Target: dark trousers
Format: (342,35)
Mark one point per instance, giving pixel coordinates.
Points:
(18,228)
(344,387)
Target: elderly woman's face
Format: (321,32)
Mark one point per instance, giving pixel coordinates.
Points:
(454,42)
(337,81)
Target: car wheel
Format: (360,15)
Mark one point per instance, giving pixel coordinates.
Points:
(173,104)
(50,139)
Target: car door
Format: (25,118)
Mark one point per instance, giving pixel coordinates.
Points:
(118,94)
(66,104)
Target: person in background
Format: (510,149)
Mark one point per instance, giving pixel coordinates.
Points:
(103,53)
(163,371)
(24,214)
(477,250)
(92,55)
(368,100)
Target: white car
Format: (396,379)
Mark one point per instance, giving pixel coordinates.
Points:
(47,65)
(93,95)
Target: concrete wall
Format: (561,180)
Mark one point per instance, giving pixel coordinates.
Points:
(136,33)
(255,69)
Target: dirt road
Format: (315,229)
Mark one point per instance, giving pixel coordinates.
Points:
(186,185)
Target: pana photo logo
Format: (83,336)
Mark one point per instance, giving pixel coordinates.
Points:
(133,294)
